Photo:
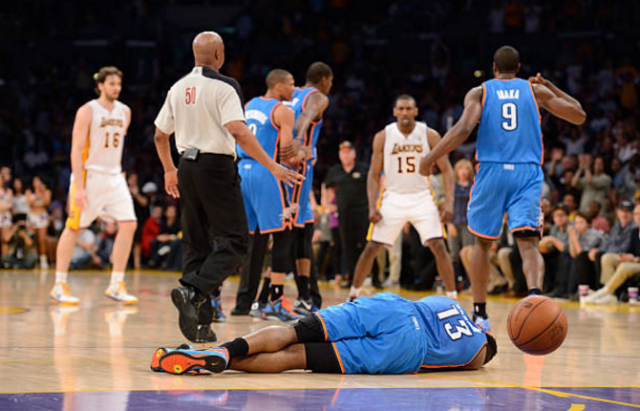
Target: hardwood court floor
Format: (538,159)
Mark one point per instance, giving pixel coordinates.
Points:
(96,357)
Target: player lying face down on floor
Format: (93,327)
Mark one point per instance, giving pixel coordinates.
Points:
(383,334)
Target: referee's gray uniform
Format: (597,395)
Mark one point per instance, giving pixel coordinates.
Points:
(213,221)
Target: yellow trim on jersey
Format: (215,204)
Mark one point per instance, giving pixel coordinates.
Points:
(370,231)
(73,221)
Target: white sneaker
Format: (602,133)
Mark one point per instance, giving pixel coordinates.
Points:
(118,292)
(607,299)
(592,298)
(44,264)
(60,294)
(389,283)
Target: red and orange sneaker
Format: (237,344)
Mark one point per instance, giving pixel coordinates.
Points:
(155,360)
(183,361)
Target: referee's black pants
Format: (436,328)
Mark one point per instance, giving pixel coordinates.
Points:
(214,225)
(353,226)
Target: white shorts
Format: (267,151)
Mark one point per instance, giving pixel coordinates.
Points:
(419,209)
(6,220)
(37,221)
(107,196)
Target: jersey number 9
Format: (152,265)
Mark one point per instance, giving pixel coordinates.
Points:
(509,114)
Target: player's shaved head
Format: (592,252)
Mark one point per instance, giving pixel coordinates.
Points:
(208,50)
(277,76)
(507,59)
(405,97)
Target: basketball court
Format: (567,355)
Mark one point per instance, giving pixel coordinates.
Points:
(96,356)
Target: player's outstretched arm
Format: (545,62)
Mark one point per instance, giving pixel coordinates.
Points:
(78,142)
(314,108)
(245,138)
(458,133)
(448,179)
(556,101)
(373,178)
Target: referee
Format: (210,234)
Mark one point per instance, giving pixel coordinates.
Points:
(204,110)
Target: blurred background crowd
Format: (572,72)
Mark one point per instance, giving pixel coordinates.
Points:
(434,51)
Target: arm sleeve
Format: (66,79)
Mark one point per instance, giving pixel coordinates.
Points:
(230,105)
(165,120)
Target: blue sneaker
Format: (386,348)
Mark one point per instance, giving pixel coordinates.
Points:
(483,323)
(257,310)
(218,314)
(189,361)
(281,309)
(155,360)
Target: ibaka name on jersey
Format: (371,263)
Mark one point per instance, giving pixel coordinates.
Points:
(508,94)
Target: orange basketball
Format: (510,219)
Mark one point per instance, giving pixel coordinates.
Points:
(537,325)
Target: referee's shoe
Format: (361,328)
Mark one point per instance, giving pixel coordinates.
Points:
(188,302)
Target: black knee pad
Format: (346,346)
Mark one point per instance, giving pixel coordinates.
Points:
(303,238)
(280,252)
(526,233)
(321,357)
(309,329)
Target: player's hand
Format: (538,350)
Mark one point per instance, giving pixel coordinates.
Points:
(80,198)
(592,254)
(375,216)
(171,183)
(453,232)
(626,258)
(446,214)
(426,165)
(538,79)
(286,175)
(291,149)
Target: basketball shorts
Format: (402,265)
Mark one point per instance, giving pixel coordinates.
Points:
(37,221)
(265,200)
(375,335)
(6,220)
(299,196)
(515,189)
(397,209)
(108,196)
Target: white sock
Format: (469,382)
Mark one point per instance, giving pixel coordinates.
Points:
(452,294)
(61,277)
(355,292)
(43,259)
(117,277)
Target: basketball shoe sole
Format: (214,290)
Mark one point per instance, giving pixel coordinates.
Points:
(180,362)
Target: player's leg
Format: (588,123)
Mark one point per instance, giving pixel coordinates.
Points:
(251,273)
(479,275)
(444,265)
(363,268)
(120,206)
(525,221)
(67,242)
(384,232)
(279,307)
(303,249)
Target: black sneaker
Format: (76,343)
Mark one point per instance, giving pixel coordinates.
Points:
(240,311)
(188,302)
(303,307)
(205,334)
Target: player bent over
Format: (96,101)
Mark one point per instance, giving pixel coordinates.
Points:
(383,334)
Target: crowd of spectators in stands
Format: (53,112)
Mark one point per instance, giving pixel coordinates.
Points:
(433,50)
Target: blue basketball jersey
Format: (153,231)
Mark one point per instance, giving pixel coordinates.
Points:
(509,129)
(452,337)
(259,116)
(298,103)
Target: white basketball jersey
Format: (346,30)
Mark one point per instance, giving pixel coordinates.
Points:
(103,151)
(402,156)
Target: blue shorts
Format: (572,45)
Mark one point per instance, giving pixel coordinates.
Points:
(375,335)
(299,195)
(264,198)
(512,188)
